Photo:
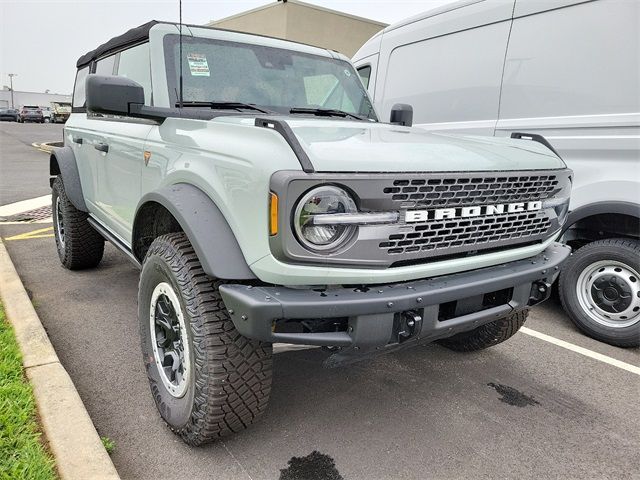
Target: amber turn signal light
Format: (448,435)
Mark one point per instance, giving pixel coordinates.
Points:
(273,213)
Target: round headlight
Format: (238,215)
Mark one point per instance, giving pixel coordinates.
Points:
(324,200)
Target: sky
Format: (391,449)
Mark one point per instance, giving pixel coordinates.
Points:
(40,41)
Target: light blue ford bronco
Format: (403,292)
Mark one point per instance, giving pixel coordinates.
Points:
(265,202)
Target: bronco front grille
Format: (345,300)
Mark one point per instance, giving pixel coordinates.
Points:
(411,242)
(466,232)
(468,190)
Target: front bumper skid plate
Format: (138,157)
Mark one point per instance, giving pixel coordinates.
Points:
(371,310)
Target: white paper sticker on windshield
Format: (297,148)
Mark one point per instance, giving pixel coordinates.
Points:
(198,65)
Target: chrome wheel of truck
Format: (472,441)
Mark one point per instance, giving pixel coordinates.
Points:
(609,292)
(207,380)
(600,290)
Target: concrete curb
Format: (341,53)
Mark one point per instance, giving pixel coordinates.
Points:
(72,438)
(46,147)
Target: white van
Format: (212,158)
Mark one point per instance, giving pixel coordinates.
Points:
(565,69)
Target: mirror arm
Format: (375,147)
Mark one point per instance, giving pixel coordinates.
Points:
(139,110)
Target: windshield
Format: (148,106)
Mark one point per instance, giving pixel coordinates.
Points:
(273,78)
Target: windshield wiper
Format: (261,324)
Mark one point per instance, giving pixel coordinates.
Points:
(326,112)
(223,106)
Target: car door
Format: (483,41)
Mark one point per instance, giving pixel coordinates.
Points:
(118,145)
(79,136)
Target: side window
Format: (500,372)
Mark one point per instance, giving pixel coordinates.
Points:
(105,65)
(365,75)
(78,90)
(135,64)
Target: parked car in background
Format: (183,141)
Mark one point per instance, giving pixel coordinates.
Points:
(60,111)
(46,114)
(9,115)
(31,113)
(568,69)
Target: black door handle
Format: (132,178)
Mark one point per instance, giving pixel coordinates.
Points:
(103,147)
(77,140)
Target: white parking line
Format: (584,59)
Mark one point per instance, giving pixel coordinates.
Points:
(24,205)
(582,351)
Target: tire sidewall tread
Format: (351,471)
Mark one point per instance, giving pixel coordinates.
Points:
(83,245)
(487,335)
(230,380)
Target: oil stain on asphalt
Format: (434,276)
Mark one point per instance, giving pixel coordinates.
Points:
(315,466)
(512,396)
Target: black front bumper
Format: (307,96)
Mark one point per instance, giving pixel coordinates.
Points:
(377,316)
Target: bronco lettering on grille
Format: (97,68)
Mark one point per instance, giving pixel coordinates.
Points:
(476,211)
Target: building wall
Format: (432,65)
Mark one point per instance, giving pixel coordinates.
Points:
(302,22)
(265,21)
(345,34)
(30,98)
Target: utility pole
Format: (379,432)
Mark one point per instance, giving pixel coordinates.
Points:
(11,75)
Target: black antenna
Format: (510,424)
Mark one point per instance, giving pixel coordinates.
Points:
(180,41)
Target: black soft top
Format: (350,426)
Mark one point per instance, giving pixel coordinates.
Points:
(130,37)
(141,34)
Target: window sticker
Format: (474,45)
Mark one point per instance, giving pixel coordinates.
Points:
(198,65)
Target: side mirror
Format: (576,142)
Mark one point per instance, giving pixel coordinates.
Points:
(112,95)
(402,114)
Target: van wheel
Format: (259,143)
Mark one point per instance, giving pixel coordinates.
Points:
(207,380)
(79,245)
(600,291)
(487,335)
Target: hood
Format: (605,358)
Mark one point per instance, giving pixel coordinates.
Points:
(339,146)
(346,146)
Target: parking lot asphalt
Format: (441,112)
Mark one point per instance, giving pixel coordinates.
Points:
(22,175)
(523,409)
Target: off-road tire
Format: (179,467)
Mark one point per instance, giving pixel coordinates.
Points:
(487,335)
(83,247)
(230,381)
(625,251)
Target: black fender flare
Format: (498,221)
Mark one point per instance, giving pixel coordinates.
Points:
(62,161)
(206,228)
(599,208)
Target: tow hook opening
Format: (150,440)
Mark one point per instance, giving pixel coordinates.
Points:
(540,291)
(405,325)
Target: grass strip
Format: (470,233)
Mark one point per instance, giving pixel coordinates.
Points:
(22,455)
